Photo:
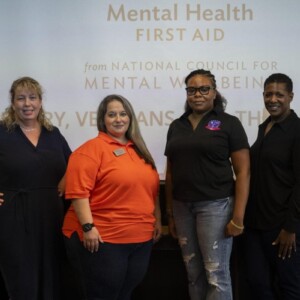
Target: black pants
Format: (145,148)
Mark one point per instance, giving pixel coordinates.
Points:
(112,272)
(269,276)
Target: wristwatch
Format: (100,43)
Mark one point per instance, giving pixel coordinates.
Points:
(87,227)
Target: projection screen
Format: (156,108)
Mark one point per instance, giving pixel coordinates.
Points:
(82,50)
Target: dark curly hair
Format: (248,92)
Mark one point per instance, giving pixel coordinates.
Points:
(219,102)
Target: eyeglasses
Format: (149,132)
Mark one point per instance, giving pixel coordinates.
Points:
(203,90)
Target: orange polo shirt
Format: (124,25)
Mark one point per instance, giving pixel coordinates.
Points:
(121,188)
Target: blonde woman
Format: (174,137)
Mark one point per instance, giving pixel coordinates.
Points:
(33,160)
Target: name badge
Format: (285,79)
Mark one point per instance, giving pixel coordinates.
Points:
(119,152)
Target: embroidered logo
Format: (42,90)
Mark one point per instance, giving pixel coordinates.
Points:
(213,125)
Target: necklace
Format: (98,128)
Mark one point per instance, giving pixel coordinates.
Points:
(27,129)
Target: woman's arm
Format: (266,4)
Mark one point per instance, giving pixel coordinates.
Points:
(241,165)
(157,215)
(62,186)
(1,198)
(169,199)
(91,238)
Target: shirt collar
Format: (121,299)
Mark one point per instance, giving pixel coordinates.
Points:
(285,124)
(108,139)
(215,111)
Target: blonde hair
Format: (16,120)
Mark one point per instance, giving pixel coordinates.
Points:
(9,118)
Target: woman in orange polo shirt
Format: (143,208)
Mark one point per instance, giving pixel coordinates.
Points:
(115,216)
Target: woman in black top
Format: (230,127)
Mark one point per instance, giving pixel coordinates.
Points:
(273,211)
(33,160)
(203,198)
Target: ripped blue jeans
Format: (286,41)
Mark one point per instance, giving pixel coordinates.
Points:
(205,249)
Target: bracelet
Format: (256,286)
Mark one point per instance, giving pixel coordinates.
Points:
(236,226)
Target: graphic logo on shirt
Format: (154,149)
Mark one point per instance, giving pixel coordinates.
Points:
(213,125)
